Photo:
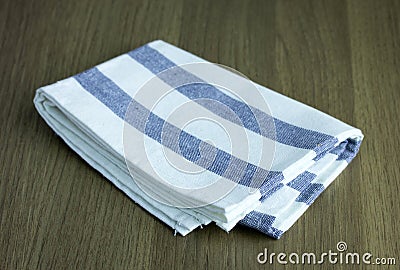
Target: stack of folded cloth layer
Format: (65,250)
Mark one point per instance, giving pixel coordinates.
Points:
(193,142)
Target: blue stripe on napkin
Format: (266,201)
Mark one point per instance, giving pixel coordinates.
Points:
(223,164)
(261,222)
(194,88)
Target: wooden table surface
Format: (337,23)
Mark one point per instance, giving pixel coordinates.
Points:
(342,57)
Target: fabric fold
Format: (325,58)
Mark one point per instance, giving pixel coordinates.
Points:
(193,142)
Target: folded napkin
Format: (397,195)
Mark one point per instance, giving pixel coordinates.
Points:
(193,142)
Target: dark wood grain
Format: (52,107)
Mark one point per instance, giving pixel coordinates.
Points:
(342,57)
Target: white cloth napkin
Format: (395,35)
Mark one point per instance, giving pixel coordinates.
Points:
(192,142)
